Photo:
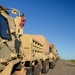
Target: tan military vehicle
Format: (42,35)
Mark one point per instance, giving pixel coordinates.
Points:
(47,49)
(52,56)
(37,51)
(54,52)
(10,54)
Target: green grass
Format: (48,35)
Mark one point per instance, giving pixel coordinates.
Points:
(72,61)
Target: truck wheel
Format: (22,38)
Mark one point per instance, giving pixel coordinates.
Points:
(51,65)
(45,67)
(28,70)
(37,69)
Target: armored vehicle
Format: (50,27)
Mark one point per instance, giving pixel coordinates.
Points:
(10,54)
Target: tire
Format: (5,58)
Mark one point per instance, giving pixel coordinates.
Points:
(37,70)
(28,70)
(45,66)
(51,65)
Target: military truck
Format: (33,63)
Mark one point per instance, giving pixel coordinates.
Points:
(36,58)
(38,52)
(52,56)
(47,49)
(54,52)
(11,57)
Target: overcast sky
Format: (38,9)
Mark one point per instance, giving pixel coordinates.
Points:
(54,19)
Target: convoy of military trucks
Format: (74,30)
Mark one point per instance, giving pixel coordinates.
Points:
(23,54)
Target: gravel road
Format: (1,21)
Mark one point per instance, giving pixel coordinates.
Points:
(62,67)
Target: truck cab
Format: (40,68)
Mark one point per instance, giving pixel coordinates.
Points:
(10,60)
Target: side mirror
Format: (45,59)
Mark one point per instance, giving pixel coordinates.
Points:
(15,11)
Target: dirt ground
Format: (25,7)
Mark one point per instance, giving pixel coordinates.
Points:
(62,67)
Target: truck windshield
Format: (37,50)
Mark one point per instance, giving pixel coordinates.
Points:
(50,50)
(4,28)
